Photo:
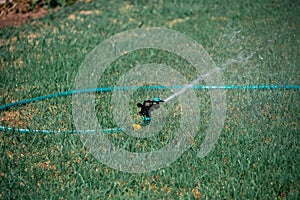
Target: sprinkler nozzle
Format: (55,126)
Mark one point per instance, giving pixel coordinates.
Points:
(147,107)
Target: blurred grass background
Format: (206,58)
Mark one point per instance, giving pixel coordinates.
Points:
(257,155)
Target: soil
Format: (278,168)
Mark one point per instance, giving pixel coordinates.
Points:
(15,13)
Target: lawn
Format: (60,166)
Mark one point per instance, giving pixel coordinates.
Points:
(257,154)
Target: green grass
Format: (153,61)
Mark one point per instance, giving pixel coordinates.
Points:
(257,154)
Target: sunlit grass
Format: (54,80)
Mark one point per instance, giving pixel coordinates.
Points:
(256,155)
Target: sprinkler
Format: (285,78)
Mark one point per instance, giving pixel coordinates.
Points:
(147,107)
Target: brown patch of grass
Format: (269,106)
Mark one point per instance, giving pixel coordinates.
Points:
(19,13)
